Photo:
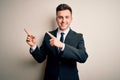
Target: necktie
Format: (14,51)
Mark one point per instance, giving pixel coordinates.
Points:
(62,38)
(59,50)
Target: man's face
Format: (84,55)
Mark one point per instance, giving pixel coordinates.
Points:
(63,19)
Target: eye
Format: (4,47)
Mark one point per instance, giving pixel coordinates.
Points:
(59,17)
(67,17)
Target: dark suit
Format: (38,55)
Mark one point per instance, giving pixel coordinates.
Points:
(62,64)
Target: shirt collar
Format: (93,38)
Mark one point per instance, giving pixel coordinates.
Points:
(65,32)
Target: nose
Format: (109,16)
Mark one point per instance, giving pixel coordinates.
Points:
(63,20)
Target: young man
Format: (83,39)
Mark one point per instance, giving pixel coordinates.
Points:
(63,46)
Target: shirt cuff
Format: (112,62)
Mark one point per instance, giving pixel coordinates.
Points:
(63,47)
(32,49)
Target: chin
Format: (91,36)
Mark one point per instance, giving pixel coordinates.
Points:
(63,29)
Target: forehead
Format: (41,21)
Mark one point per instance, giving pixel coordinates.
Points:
(64,13)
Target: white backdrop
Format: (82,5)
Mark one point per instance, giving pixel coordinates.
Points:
(98,20)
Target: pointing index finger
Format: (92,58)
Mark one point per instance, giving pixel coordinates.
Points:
(50,35)
(26,31)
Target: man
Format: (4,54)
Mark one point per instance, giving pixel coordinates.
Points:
(63,46)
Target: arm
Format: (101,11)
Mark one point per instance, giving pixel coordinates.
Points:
(76,53)
(39,54)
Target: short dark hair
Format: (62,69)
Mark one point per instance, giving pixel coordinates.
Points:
(63,7)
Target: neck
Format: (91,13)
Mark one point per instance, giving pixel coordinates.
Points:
(63,30)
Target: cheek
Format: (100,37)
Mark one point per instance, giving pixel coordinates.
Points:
(69,21)
(59,21)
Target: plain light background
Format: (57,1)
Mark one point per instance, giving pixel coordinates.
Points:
(98,20)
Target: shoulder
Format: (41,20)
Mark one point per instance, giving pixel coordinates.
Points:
(76,33)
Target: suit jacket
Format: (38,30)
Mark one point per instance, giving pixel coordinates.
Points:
(63,64)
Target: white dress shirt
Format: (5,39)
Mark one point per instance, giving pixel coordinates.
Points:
(65,34)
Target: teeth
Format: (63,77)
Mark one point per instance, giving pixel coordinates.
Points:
(63,24)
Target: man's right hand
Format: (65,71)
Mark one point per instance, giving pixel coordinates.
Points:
(31,40)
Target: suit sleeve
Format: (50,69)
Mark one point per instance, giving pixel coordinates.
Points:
(39,54)
(76,53)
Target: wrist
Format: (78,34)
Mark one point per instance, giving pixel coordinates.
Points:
(33,47)
(61,45)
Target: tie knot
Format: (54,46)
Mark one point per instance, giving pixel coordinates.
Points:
(62,33)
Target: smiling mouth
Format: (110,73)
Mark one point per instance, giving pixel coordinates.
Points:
(63,24)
